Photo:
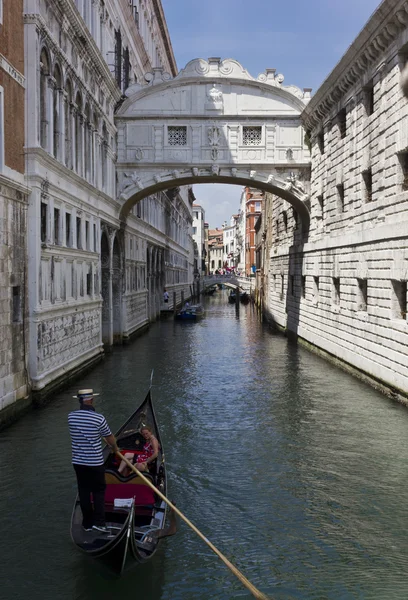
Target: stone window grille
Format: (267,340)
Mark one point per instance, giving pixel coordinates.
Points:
(320,141)
(16,304)
(399,299)
(368,91)
(403,160)
(362,295)
(342,123)
(336,291)
(251,136)
(368,184)
(340,197)
(89,282)
(316,285)
(177,135)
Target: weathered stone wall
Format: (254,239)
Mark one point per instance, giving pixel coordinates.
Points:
(13,296)
(344,289)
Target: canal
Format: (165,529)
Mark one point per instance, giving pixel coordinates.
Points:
(292,468)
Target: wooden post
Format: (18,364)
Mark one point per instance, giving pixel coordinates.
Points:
(237,296)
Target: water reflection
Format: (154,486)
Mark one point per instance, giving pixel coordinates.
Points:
(295,470)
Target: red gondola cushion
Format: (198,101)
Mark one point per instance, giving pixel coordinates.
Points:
(142,493)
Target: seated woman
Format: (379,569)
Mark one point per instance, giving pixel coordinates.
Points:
(149,454)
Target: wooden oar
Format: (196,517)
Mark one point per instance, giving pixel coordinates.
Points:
(254,591)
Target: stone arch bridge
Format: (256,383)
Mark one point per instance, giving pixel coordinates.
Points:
(213,123)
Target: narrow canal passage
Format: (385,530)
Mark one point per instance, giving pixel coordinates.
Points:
(292,468)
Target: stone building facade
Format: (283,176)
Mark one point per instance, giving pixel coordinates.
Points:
(14,382)
(93,279)
(343,287)
(199,239)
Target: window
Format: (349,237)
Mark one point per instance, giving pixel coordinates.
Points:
(320,142)
(87,246)
(316,283)
(303,286)
(194,230)
(362,294)
(177,136)
(196,215)
(251,136)
(285,221)
(44,216)
(403,160)
(16,304)
(118,58)
(340,197)
(257,207)
(399,299)
(126,69)
(78,234)
(342,123)
(368,92)
(56,226)
(68,230)
(320,206)
(368,184)
(282,290)
(336,291)
(89,282)
(94,237)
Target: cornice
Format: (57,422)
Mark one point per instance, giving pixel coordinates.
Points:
(161,20)
(83,39)
(382,29)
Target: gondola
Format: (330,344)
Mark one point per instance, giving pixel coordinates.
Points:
(135,515)
(190,313)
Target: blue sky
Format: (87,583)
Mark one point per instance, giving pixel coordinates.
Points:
(302,39)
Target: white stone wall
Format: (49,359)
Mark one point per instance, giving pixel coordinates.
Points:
(344,288)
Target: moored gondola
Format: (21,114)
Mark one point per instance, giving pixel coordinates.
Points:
(135,515)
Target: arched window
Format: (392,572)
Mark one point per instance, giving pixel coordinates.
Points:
(57,107)
(87,149)
(105,142)
(78,134)
(68,126)
(44,75)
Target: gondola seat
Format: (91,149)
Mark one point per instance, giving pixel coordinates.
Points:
(144,496)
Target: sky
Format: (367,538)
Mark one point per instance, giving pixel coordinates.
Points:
(302,39)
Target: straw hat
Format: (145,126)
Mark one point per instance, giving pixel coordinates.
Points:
(85,394)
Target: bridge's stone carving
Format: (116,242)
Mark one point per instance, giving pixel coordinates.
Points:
(213,122)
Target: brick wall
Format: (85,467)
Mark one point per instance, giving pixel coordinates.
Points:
(12,48)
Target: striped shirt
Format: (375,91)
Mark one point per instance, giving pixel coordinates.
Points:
(86,428)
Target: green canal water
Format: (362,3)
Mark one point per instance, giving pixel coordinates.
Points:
(293,469)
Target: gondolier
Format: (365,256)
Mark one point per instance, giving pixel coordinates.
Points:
(87,428)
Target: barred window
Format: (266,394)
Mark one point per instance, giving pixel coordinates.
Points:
(252,136)
(177,136)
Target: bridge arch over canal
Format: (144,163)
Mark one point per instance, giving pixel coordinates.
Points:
(213,123)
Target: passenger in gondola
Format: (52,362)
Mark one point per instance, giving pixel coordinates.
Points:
(149,454)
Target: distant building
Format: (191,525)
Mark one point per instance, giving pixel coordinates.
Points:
(229,243)
(199,238)
(253,208)
(215,249)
